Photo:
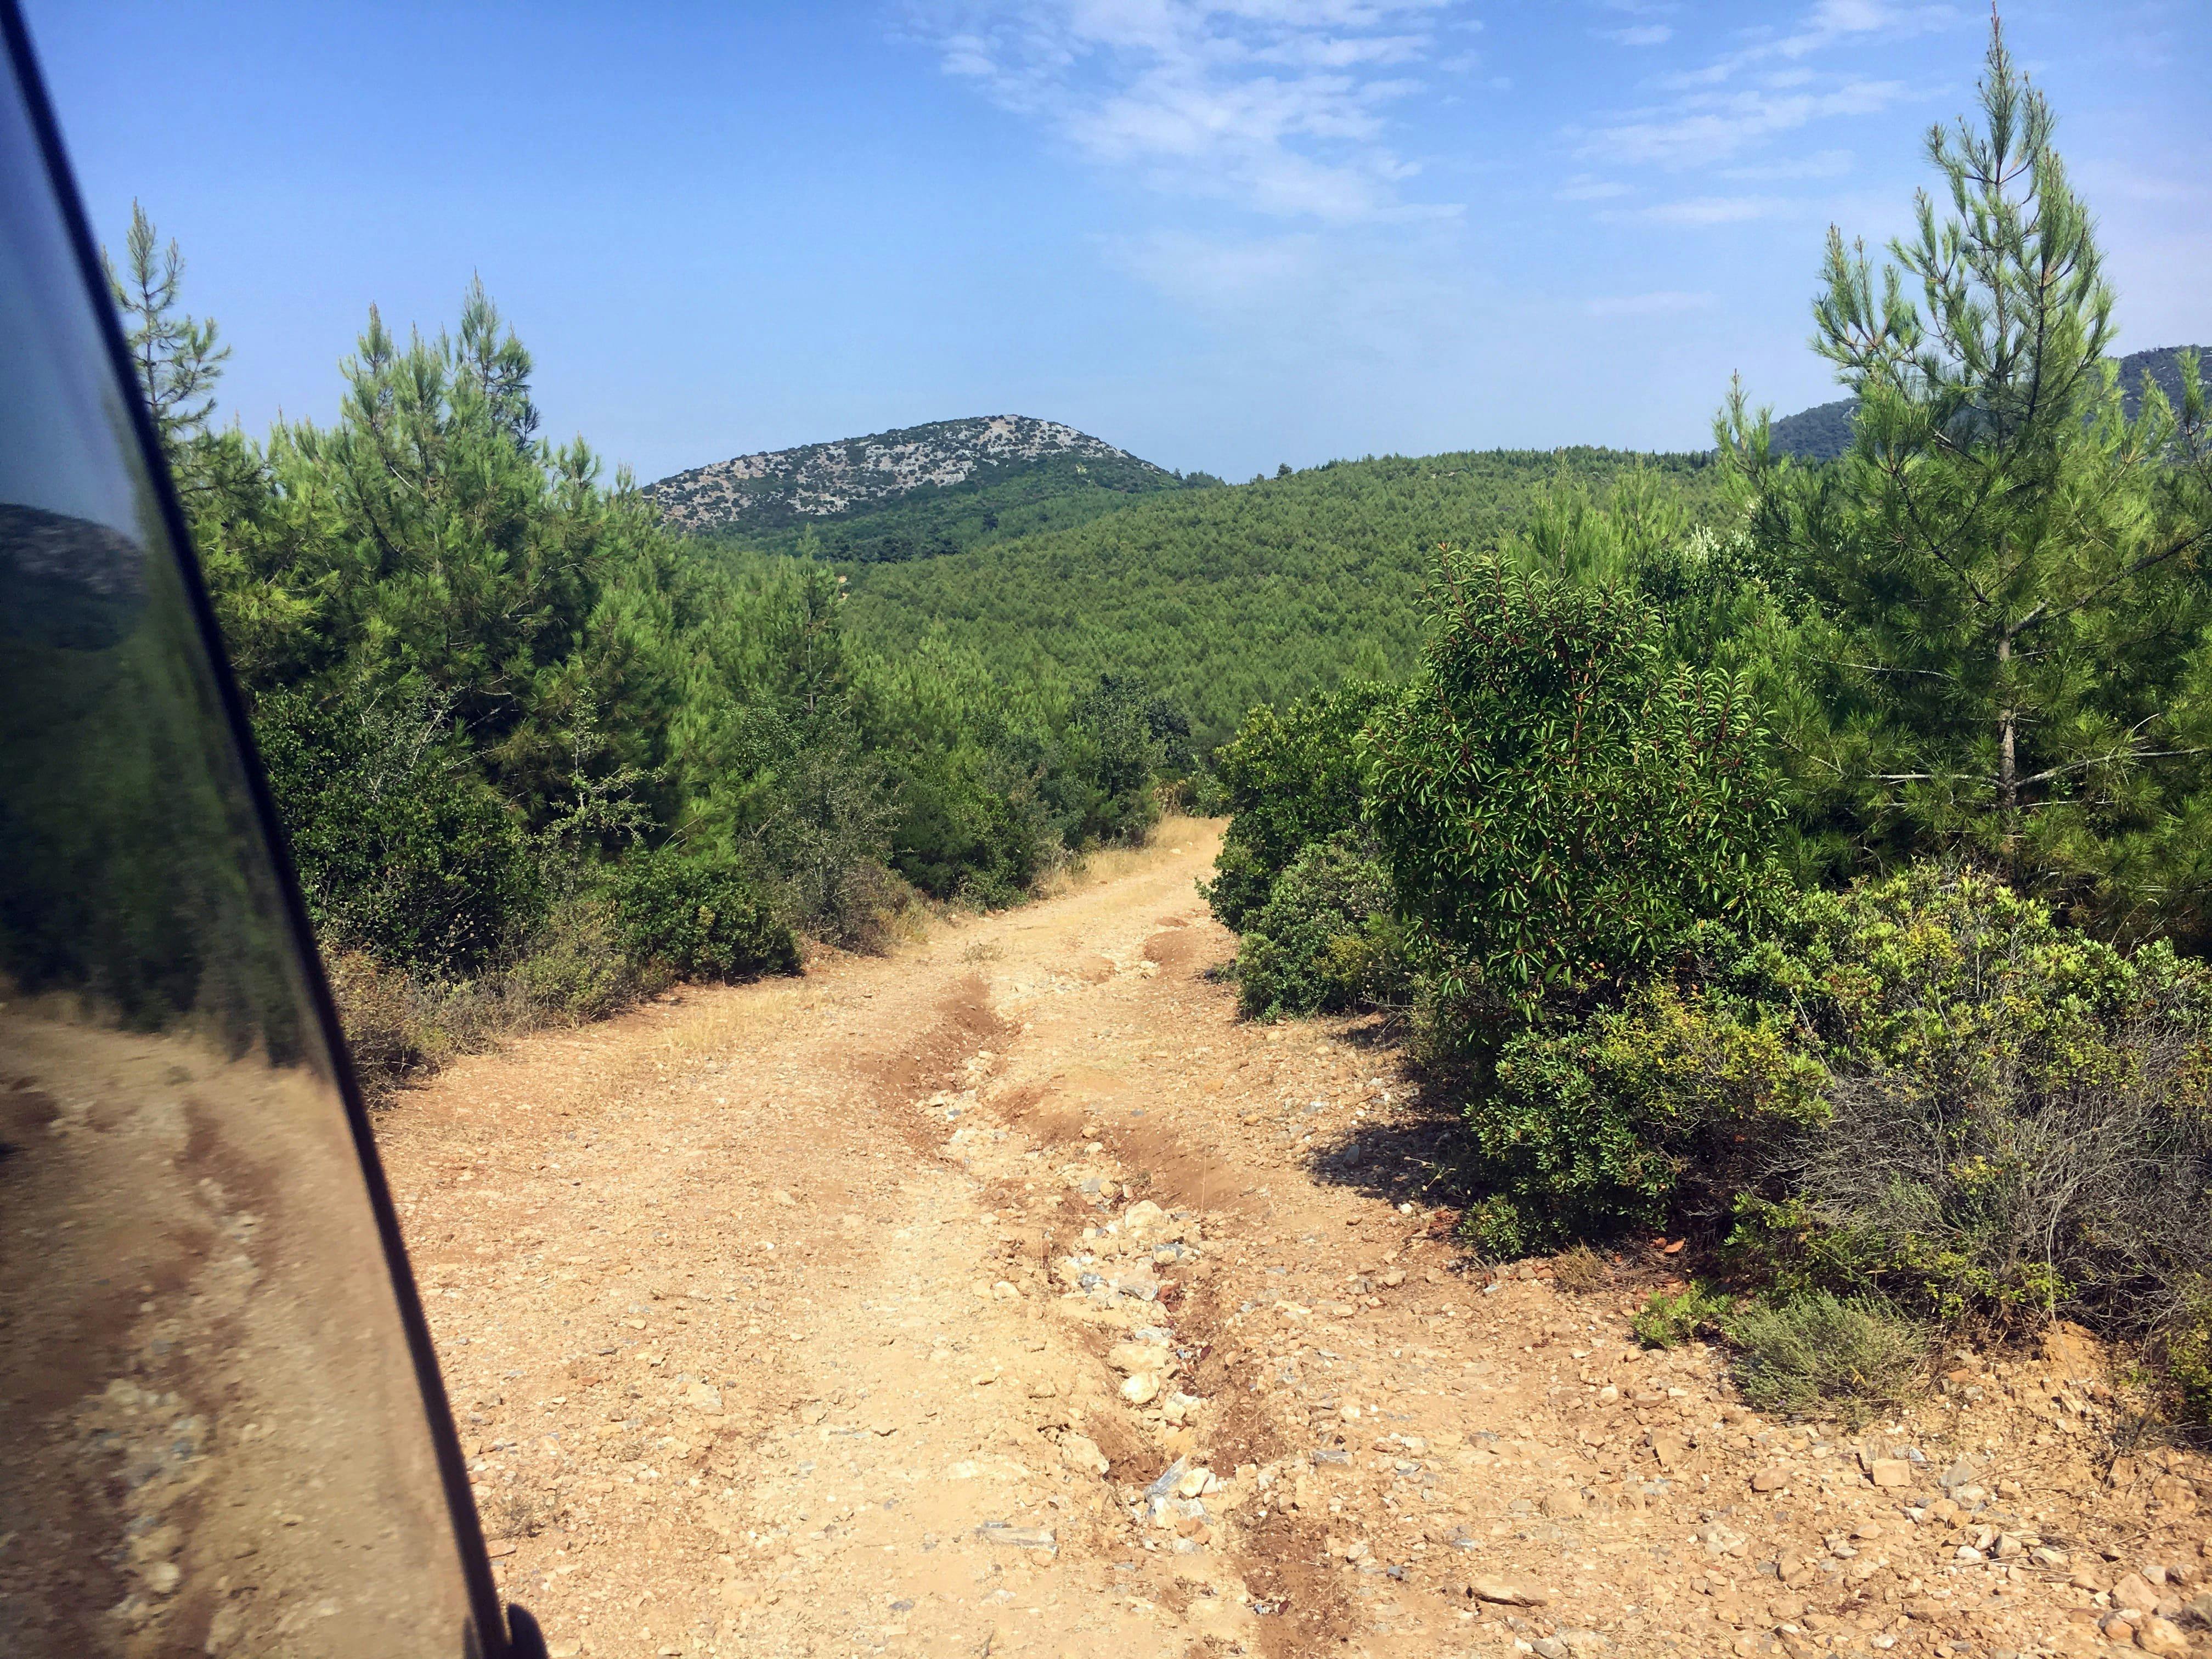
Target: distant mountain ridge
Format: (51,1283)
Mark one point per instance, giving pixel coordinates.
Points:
(850,478)
(1824,431)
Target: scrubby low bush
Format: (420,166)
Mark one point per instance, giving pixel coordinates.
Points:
(1824,1354)
(1325,941)
(401,846)
(1662,1110)
(1925,1085)
(576,968)
(400,1025)
(2185,1346)
(1578,1269)
(1670,1318)
(697,918)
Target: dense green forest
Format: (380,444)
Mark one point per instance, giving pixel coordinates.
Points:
(1824,878)
(1222,598)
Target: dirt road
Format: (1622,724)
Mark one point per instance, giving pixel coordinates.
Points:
(1009,1296)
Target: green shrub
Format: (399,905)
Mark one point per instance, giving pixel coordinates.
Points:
(1324,941)
(2185,1349)
(1560,810)
(1287,780)
(1646,1115)
(1924,1084)
(971,825)
(1671,1318)
(1821,1354)
(2016,1111)
(402,849)
(577,968)
(1099,774)
(697,918)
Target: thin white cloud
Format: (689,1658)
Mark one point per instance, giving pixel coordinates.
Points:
(1394,296)
(1699,128)
(1663,304)
(1731,114)
(1641,34)
(1696,211)
(1281,105)
(1588,187)
(1829,23)
(1822,164)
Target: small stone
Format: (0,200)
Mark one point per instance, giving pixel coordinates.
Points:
(1890,1472)
(1130,1358)
(2136,1592)
(2044,1555)
(1969,1555)
(1564,1503)
(1026,1538)
(1581,1642)
(1080,1453)
(1769,1480)
(2157,1635)
(1505,1593)
(1140,1388)
(703,1398)
(163,1576)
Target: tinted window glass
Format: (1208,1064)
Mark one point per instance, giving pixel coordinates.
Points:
(215,1439)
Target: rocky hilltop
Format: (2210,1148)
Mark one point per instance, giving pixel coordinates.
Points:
(854,476)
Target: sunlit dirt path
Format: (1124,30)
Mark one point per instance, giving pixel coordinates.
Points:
(1009,1296)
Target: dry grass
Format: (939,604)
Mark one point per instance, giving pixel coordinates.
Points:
(1174,833)
(1581,1270)
(1821,1355)
(517,1513)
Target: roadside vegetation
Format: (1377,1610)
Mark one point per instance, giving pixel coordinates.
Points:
(1824,879)
(536,756)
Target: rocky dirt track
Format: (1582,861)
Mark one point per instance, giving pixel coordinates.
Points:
(1009,1296)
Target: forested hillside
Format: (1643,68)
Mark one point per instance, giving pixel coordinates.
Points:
(1221,599)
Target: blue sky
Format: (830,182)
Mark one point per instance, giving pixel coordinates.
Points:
(1223,235)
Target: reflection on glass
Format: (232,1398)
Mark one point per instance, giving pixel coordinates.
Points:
(211,1435)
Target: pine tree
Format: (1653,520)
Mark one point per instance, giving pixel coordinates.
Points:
(175,354)
(2007,572)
